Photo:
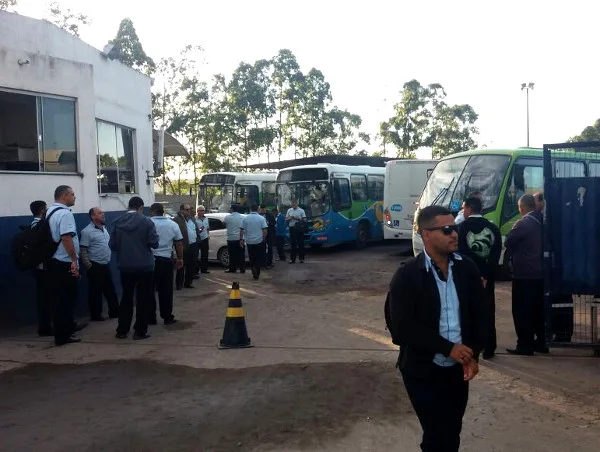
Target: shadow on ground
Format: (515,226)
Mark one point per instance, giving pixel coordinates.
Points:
(141,405)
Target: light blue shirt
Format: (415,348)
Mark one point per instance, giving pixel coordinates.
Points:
(253,226)
(168,232)
(62,223)
(95,239)
(203,223)
(191,227)
(233,221)
(449,310)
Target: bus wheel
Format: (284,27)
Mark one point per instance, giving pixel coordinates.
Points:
(362,235)
(223,257)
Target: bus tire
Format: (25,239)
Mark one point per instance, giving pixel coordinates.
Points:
(223,257)
(362,235)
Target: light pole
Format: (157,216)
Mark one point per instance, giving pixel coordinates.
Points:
(527,87)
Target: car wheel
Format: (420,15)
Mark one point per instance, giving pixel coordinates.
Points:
(223,257)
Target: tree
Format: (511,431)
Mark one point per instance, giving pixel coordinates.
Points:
(128,49)
(590,133)
(5,4)
(67,19)
(345,131)
(424,119)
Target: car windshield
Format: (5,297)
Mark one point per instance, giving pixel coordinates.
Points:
(216,198)
(454,179)
(313,197)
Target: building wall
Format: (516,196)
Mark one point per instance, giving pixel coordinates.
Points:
(63,65)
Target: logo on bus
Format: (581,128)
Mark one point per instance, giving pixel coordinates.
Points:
(396,208)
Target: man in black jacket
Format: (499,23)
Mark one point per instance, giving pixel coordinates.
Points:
(480,240)
(438,317)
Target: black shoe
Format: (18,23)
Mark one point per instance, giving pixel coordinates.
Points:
(205,272)
(518,351)
(152,321)
(121,335)
(301,261)
(170,321)
(488,355)
(178,288)
(45,332)
(80,326)
(139,337)
(230,271)
(255,277)
(188,286)
(542,349)
(71,340)
(98,318)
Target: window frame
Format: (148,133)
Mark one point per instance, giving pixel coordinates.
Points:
(336,204)
(370,194)
(531,162)
(38,96)
(134,185)
(366,187)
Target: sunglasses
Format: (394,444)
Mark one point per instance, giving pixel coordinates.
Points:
(446,230)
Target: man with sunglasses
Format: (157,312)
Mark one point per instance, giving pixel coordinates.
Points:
(438,317)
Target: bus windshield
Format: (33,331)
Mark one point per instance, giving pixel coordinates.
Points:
(455,178)
(245,196)
(313,197)
(216,198)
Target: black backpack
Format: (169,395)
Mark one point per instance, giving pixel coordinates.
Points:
(33,246)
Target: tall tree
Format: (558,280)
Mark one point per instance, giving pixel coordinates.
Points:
(590,133)
(5,4)
(264,132)
(128,49)
(453,130)
(346,135)
(67,19)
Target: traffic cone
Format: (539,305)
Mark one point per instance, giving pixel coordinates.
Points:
(235,334)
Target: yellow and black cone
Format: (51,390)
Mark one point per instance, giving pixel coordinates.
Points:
(235,334)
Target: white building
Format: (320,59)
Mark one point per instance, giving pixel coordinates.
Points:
(68,115)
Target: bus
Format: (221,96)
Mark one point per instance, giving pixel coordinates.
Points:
(502,177)
(404,182)
(343,203)
(217,191)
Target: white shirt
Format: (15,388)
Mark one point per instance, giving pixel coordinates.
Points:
(191,228)
(294,216)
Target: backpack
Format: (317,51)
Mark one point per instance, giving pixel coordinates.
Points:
(33,246)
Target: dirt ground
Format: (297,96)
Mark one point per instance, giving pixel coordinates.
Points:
(320,376)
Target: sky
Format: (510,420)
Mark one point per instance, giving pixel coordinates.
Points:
(479,51)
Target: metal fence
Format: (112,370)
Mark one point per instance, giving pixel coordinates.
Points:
(572,244)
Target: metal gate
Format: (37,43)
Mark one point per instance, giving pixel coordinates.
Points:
(572,244)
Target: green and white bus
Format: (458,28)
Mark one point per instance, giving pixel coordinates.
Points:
(217,191)
(502,176)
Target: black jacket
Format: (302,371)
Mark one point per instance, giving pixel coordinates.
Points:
(415,313)
(525,245)
(480,240)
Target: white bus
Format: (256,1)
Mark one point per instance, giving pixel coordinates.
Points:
(217,191)
(404,182)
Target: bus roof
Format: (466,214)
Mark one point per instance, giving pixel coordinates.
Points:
(525,152)
(339,168)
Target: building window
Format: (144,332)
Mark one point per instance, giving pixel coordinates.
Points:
(37,133)
(115,158)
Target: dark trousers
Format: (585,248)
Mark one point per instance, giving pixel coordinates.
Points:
(280,243)
(185,275)
(163,281)
(43,301)
(528,313)
(62,287)
(268,252)
(142,284)
(440,401)
(203,255)
(297,243)
(256,253)
(490,341)
(100,283)
(237,256)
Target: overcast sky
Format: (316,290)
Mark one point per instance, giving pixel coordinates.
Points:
(479,51)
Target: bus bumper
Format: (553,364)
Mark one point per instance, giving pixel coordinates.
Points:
(390,233)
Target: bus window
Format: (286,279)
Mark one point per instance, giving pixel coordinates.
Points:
(375,183)
(359,188)
(269,194)
(569,169)
(341,194)
(594,169)
(245,196)
(527,178)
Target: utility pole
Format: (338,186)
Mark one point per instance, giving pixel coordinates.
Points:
(527,87)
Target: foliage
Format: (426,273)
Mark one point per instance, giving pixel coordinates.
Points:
(590,133)
(423,119)
(128,49)
(5,4)
(67,19)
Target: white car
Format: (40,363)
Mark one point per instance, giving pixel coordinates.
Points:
(217,251)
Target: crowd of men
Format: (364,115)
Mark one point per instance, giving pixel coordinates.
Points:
(154,255)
